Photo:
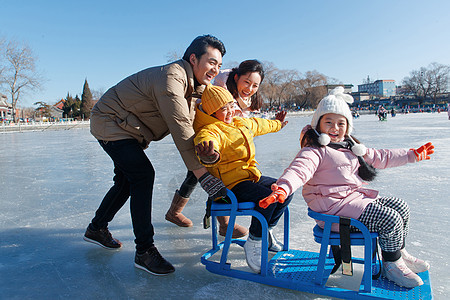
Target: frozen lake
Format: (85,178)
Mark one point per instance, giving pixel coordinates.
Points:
(51,183)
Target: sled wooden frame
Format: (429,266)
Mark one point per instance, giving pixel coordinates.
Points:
(296,269)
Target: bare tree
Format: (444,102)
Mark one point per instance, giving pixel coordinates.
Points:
(287,87)
(97,93)
(427,82)
(271,86)
(439,77)
(2,67)
(290,87)
(19,71)
(172,56)
(278,86)
(311,88)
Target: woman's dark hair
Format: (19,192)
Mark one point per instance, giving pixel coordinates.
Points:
(247,66)
(200,44)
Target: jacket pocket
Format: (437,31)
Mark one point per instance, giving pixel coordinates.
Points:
(336,191)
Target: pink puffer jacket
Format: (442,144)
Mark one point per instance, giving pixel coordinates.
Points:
(330,180)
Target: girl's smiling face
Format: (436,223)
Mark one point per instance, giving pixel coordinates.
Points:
(334,125)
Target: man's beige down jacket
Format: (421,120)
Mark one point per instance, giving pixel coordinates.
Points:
(149,105)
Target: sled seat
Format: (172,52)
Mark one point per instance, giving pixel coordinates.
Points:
(233,210)
(327,238)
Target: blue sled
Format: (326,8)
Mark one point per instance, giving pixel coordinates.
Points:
(303,270)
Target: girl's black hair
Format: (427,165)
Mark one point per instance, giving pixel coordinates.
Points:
(247,66)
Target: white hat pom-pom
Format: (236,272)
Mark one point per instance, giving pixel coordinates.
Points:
(324,139)
(359,149)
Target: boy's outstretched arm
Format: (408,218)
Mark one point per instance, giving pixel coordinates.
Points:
(280,117)
(206,153)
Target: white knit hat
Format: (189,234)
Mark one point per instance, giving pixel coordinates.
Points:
(335,102)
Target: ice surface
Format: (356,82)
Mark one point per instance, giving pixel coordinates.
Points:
(51,183)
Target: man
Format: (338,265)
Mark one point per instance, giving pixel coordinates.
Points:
(146,107)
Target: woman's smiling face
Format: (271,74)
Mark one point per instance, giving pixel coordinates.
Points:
(334,125)
(247,84)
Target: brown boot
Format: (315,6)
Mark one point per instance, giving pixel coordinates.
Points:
(174,214)
(238,231)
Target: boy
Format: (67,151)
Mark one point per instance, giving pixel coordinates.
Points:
(224,144)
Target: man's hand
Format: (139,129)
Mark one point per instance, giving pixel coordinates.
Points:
(205,150)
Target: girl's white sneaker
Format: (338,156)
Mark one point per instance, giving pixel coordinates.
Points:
(414,264)
(274,244)
(398,272)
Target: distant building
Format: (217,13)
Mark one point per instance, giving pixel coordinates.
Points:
(347,87)
(379,88)
(56,112)
(361,96)
(60,104)
(5,107)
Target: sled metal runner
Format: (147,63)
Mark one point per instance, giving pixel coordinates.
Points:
(296,269)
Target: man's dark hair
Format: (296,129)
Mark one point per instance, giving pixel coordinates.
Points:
(199,45)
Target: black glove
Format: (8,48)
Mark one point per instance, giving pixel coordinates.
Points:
(213,186)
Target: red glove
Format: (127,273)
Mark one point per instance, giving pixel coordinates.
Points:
(278,195)
(423,152)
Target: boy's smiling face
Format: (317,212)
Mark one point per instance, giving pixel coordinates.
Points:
(334,125)
(225,113)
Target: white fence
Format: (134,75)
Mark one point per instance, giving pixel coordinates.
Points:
(41,126)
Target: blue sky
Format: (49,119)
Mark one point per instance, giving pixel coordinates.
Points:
(105,41)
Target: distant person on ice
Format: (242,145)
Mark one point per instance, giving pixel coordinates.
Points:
(142,108)
(332,167)
(448,110)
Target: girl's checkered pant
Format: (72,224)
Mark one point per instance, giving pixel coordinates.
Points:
(389,216)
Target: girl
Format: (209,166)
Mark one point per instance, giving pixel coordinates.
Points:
(332,166)
(225,147)
(243,82)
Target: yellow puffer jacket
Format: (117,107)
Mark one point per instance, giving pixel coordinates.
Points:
(235,144)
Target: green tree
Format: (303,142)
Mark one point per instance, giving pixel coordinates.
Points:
(43,109)
(86,101)
(68,106)
(76,106)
